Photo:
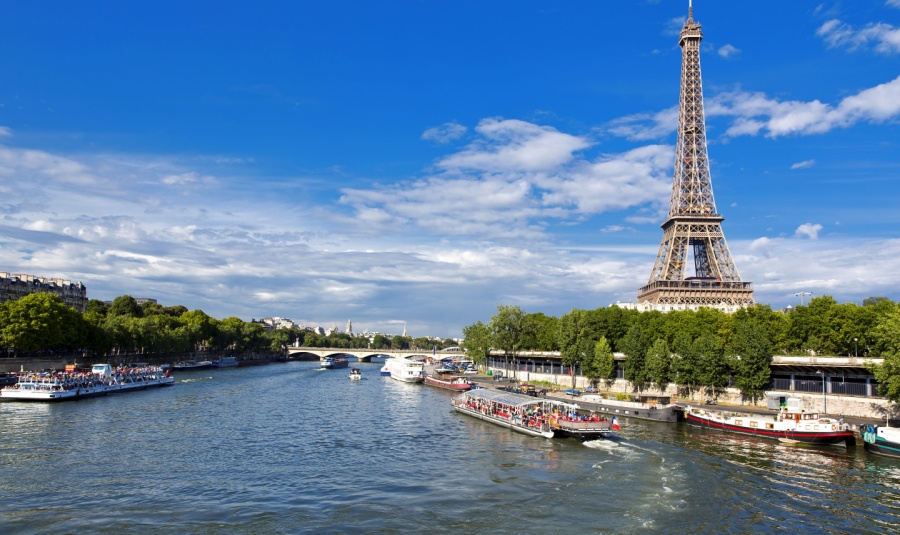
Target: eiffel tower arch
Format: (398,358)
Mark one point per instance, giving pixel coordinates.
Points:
(692,233)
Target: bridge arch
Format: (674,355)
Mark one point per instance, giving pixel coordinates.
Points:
(363,355)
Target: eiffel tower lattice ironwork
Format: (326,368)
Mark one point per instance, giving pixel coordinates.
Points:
(693,226)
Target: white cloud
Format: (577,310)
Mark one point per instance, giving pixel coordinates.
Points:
(645,126)
(755,113)
(780,267)
(5,131)
(728,50)
(185,179)
(444,133)
(804,164)
(808,230)
(674,25)
(513,178)
(883,37)
(510,144)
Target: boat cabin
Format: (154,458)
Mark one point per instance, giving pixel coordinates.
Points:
(102,369)
(650,399)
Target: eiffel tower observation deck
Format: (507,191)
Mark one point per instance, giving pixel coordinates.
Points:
(692,233)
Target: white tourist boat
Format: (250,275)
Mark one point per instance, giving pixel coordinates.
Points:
(102,379)
(333,363)
(407,370)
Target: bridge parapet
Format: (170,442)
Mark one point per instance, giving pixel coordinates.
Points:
(364,355)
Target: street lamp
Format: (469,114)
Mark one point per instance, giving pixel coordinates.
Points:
(854,346)
(824,401)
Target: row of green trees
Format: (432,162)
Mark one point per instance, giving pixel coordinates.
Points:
(42,322)
(696,349)
(379,341)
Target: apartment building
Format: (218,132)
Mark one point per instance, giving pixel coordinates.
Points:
(16,286)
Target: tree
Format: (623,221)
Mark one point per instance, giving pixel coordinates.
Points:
(399,342)
(200,327)
(753,356)
(97,307)
(125,305)
(713,368)
(542,334)
(574,345)
(888,373)
(685,363)
(508,326)
(278,339)
(379,342)
(635,346)
(659,358)
(603,363)
(40,321)
(477,342)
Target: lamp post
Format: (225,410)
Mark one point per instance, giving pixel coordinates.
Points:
(854,347)
(824,401)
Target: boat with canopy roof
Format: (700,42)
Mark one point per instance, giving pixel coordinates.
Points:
(542,417)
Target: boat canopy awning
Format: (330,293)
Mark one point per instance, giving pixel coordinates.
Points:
(507,398)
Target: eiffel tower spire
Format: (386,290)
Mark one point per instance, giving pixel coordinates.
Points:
(693,226)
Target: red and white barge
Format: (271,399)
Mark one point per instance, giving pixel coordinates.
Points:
(792,423)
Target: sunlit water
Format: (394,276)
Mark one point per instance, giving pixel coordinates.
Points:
(290,448)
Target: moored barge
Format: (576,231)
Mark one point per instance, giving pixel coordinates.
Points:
(448,381)
(792,423)
(881,440)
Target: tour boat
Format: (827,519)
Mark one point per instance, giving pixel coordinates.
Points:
(539,417)
(448,381)
(355,374)
(333,363)
(406,369)
(191,365)
(225,362)
(101,380)
(386,370)
(7,378)
(881,440)
(792,424)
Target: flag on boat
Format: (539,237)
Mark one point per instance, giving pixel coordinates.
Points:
(615,424)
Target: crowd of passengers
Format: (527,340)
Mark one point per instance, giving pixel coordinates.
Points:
(65,380)
(534,416)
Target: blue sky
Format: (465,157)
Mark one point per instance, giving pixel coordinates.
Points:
(421,162)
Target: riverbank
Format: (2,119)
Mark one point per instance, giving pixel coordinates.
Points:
(59,362)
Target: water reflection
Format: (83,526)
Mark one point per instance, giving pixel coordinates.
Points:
(288,448)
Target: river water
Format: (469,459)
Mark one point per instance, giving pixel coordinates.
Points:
(290,448)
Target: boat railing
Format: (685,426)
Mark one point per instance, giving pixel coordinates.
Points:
(582,425)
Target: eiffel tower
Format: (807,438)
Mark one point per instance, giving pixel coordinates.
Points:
(693,226)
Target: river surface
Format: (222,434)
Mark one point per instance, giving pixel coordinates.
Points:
(290,448)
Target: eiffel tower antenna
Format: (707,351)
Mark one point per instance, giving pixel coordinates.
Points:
(693,225)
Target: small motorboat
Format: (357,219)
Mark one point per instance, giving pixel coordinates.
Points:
(355,374)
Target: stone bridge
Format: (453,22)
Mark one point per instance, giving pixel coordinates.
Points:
(363,355)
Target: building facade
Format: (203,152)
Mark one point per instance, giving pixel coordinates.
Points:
(16,286)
